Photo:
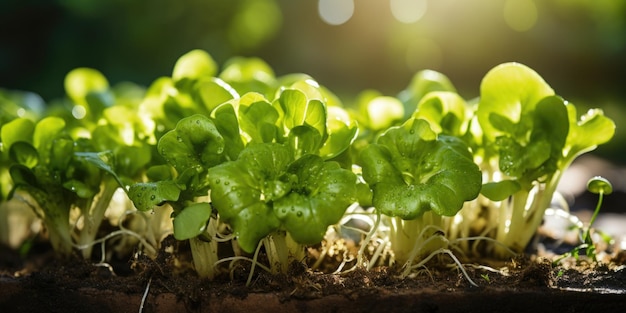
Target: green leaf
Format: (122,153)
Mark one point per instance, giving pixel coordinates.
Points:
(195,143)
(81,189)
(586,133)
(46,132)
(61,152)
(192,221)
(304,139)
(319,198)
(411,171)
(214,91)
(160,172)
(19,129)
(299,111)
(538,152)
(193,65)
(227,124)
(342,131)
(422,83)
(446,112)
(263,191)
(81,82)
(599,185)
(102,160)
(511,91)
(310,88)
(146,196)
(131,161)
(249,75)
(24,153)
(242,191)
(498,191)
(382,112)
(22,175)
(259,119)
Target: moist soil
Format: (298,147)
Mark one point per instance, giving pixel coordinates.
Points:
(39,282)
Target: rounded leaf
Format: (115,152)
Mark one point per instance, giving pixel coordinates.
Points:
(509,91)
(192,220)
(412,171)
(599,185)
(319,198)
(81,82)
(19,129)
(195,143)
(146,196)
(193,65)
(24,153)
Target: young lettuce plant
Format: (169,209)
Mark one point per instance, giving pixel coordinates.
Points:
(60,174)
(14,104)
(190,149)
(529,137)
(267,193)
(417,177)
(285,175)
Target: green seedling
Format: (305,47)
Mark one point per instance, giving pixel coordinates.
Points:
(600,186)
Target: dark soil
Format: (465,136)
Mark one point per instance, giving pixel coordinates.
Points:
(40,283)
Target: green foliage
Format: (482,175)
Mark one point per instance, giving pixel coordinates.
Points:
(266,190)
(412,170)
(275,161)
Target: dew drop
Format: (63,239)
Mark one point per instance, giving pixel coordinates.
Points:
(179,138)
(299,213)
(152,197)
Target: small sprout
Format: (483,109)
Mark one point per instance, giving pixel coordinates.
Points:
(485,277)
(599,185)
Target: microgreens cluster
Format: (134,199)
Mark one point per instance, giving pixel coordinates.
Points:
(243,160)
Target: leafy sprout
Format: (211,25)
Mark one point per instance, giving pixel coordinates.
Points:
(600,186)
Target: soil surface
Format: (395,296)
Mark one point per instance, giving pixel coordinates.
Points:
(38,282)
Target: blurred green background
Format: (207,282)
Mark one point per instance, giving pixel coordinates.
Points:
(578,46)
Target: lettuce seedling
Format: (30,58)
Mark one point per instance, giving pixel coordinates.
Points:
(192,147)
(266,191)
(530,136)
(60,174)
(416,177)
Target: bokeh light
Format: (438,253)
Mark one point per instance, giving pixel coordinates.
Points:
(520,15)
(408,11)
(336,12)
